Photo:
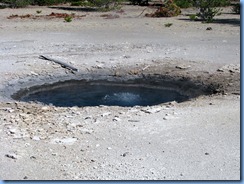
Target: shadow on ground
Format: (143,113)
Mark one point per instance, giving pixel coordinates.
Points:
(83,9)
(234,22)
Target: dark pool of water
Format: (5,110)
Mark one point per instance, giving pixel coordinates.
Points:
(94,94)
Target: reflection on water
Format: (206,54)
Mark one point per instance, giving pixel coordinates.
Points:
(90,94)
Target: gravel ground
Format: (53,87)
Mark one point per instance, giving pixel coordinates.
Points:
(194,140)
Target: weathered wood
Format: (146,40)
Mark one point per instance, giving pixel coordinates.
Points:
(63,64)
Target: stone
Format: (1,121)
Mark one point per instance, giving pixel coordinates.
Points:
(12,130)
(45,108)
(36,138)
(69,140)
(124,154)
(106,114)
(183,67)
(11,155)
(34,73)
(116,119)
(152,110)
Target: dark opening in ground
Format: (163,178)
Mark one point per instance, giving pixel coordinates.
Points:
(84,93)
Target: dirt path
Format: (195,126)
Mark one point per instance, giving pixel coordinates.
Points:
(194,140)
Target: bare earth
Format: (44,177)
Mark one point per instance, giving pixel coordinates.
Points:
(195,140)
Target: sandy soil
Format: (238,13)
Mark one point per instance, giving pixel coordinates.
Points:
(194,140)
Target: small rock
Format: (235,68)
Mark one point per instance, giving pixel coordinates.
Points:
(10,110)
(11,155)
(88,117)
(99,66)
(109,148)
(86,131)
(126,57)
(124,154)
(12,130)
(183,67)
(45,108)
(152,110)
(34,73)
(106,114)
(36,138)
(116,119)
(68,141)
(209,28)
(25,178)
(132,120)
(32,157)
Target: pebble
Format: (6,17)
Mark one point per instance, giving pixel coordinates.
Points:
(106,114)
(32,157)
(132,120)
(182,67)
(11,155)
(68,141)
(10,110)
(152,110)
(12,130)
(45,108)
(116,119)
(126,57)
(36,138)
(34,73)
(124,154)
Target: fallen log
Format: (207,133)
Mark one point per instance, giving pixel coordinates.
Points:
(65,65)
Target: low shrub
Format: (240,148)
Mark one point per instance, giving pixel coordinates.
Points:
(184,3)
(76,3)
(236,8)
(170,9)
(48,2)
(168,24)
(105,4)
(68,18)
(193,17)
(139,2)
(208,9)
(17,3)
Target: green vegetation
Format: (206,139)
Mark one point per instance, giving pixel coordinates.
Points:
(102,5)
(139,2)
(16,3)
(193,17)
(38,11)
(170,9)
(184,3)
(48,2)
(68,18)
(236,8)
(168,24)
(208,9)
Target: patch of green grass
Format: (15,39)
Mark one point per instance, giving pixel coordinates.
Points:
(168,24)
(68,19)
(193,17)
